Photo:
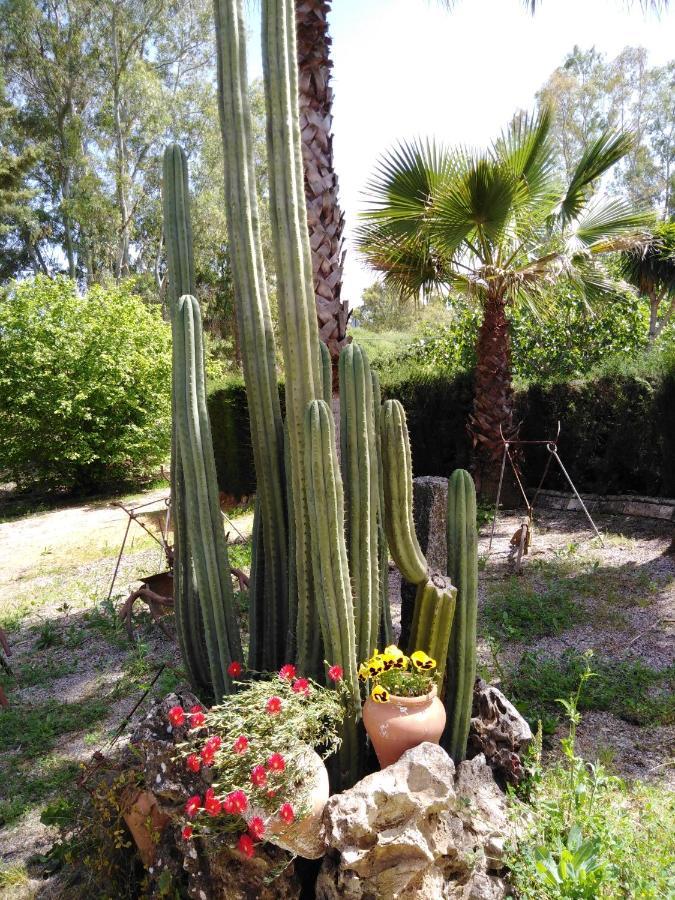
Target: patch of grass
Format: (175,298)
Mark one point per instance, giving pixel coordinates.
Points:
(32,731)
(39,673)
(30,785)
(240,555)
(48,635)
(628,689)
(13,876)
(12,619)
(516,610)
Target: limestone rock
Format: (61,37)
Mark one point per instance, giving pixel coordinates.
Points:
(430,501)
(417,829)
(499,732)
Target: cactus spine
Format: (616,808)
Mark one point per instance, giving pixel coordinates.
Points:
(463,570)
(360,472)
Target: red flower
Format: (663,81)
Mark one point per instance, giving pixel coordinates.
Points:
(286,813)
(256,828)
(245,846)
(301,686)
(236,803)
(214,743)
(271,793)
(207,756)
(211,803)
(234,669)
(176,716)
(259,776)
(335,673)
(287,672)
(187,832)
(209,750)
(276,763)
(241,744)
(192,762)
(197,717)
(193,805)
(273,705)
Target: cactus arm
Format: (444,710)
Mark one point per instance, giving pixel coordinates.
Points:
(432,623)
(270,596)
(397,471)
(463,570)
(326,374)
(360,477)
(385,634)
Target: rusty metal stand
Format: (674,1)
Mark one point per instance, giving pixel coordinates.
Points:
(526,525)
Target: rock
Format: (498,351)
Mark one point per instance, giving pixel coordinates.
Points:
(417,829)
(430,500)
(499,732)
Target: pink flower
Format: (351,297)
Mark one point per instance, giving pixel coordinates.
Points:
(286,813)
(301,686)
(287,672)
(256,828)
(187,832)
(245,846)
(259,776)
(276,763)
(335,673)
(197,717)
(236,803)
(176,716)
(234,669)
(273,705)
(241,744)
(192,806)
(192,762)
(211,803)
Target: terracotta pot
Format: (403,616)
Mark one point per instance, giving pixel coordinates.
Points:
(305,837)
(402,723)
(146,822)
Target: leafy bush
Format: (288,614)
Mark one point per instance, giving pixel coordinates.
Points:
(85,385)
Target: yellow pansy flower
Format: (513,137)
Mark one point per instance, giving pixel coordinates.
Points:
(364,674)
(379,694)
(375,666)
(421,661)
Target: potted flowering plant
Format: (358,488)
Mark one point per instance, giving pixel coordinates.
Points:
(257,751)
(403,709)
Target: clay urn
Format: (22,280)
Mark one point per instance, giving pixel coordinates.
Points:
(402,723)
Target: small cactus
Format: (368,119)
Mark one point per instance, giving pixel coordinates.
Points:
(432,623)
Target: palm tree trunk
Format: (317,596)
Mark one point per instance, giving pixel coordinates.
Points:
(493,397)
(324,217)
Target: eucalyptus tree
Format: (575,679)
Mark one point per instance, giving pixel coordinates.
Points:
(500,227)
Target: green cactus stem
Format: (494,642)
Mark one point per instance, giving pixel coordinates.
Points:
(209,550)
(360,475)
(386,628)
(397,471)
(181,280)
(432,623)
(269,600)
(463,571)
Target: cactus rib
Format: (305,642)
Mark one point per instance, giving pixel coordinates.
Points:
(432,623)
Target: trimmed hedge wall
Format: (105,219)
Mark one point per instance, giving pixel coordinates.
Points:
(617,434)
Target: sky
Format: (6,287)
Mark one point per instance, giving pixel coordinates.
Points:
(410,68)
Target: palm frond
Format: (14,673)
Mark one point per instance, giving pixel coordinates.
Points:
(597,159)
(407,263)
(607,224)
(650,266)
(526,148)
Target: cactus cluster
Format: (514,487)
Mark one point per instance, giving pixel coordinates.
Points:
(322,519)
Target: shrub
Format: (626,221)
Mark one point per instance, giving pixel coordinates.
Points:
(85,385)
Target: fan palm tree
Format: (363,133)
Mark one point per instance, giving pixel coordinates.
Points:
(651,269)
(498,227)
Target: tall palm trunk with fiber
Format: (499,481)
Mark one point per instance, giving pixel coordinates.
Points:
(324,216)
(493,404)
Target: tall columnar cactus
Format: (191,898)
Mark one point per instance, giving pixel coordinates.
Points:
(209,550)
(361,477)
(463,570)
(432,623)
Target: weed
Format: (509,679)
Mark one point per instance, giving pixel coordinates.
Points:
(13,876)
(40,673)
(588,834)
(240,555)
(48,636)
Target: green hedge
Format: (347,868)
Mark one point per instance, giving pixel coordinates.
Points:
(617,433)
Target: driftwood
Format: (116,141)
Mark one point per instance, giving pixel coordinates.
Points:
(499,731)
